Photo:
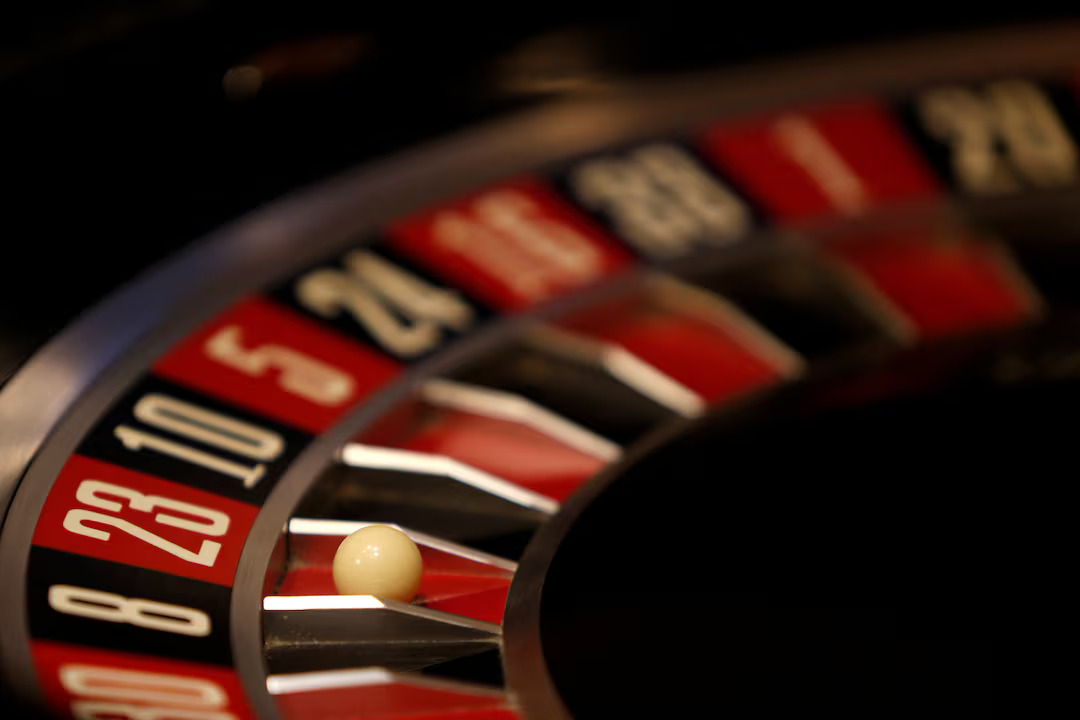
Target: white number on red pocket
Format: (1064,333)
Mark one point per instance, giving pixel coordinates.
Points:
(299,374)
(194,518)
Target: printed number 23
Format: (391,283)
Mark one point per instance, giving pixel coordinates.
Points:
(194,518)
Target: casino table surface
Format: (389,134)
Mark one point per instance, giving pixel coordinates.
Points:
(714,360)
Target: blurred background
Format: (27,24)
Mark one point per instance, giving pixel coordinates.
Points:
(135,126)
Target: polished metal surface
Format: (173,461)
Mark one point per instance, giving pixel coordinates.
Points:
(357,455)
(322,632)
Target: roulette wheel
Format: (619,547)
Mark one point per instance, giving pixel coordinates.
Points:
(692,388)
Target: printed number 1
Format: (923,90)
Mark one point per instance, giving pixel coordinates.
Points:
(205,426)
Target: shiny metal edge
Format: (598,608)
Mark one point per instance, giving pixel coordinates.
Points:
(507,406)
(300,603)
(317,680)
(360,456)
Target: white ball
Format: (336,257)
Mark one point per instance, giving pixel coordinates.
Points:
(378,560)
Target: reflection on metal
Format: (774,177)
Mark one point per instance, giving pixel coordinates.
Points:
(299,603)
(649,381)
(301,682)
(319,632)
(507,406)
(434,504)
(326,680)
(567,378)
(625,367)
(367,456)
(314,541)
(681,297)
(322,602)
